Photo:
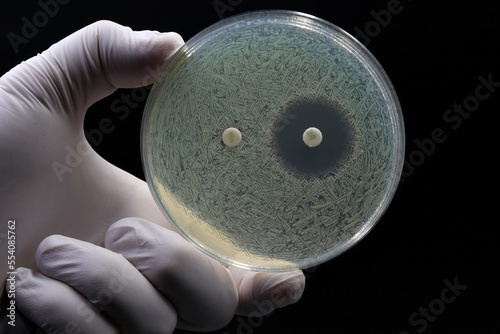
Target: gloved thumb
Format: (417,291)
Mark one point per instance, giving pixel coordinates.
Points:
(89,65)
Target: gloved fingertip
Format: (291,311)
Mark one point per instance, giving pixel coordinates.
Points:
(172,41)
(130,233)
(116,231)
(21,282)
(22,273)
(16,278)
(284,288)
(53,249)
(164,45)
(140,56)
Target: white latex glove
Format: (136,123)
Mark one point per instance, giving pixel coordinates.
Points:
(138,277)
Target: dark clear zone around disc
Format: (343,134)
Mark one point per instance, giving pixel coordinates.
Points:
(328,156)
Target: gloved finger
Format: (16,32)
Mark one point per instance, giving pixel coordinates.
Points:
(200,288)
(261,293)
(87,66)
(56,307)
(12,320)
(109,282)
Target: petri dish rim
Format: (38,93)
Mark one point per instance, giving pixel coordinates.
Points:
(350,44)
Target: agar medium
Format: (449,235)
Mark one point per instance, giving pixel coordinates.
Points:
(273,140)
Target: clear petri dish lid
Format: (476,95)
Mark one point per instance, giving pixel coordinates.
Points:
(273,140)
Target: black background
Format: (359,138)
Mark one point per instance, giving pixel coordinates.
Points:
(441,224)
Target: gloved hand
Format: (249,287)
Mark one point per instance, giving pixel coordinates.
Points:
(135,276)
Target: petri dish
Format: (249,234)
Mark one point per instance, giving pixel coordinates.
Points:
(229,140)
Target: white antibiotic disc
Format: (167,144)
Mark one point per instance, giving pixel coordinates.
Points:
(231,137)
(312,137)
